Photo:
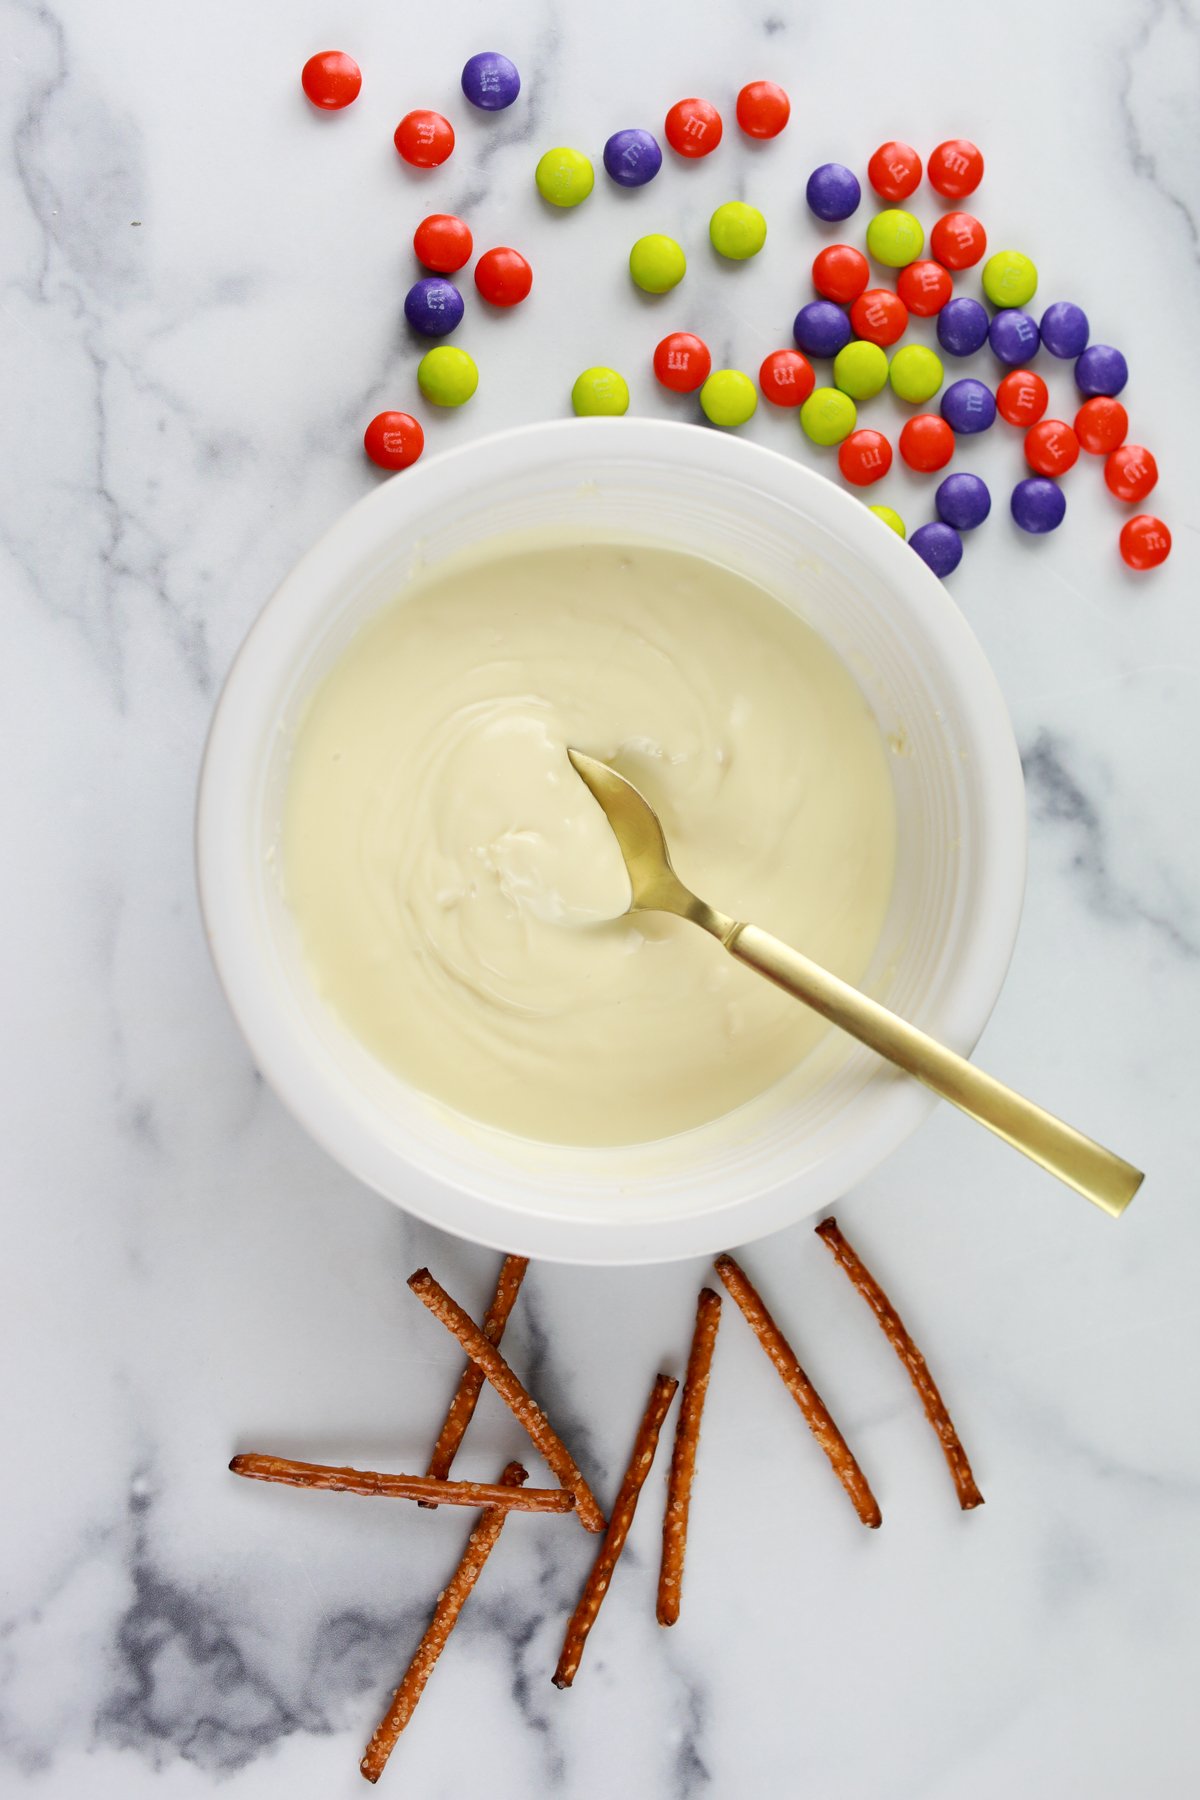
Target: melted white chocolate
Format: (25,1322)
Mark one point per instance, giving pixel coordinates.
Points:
(458,891)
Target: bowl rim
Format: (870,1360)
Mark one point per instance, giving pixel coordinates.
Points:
(225,884)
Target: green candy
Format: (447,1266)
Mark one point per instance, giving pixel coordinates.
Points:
(737,230)
(564,177)
(891,519)
(828,416)
(728,398)
(600,392)
(447,376)
(895,238)
(1009,279)
(657,263)
(916,373)
(860,370)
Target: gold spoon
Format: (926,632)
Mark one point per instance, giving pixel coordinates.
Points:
(1083,1164)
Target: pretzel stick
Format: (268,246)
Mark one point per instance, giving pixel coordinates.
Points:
(400,1487)
(470,1383)
(816,1413)
(450,1603)
(683,1456)
(528,1413)
(596,1585)
(918,1369)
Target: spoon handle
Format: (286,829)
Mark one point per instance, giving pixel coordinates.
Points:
(1083,1164)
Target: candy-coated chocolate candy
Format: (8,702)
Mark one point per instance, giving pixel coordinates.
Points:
(682,362)
(600,393)
(958,240)
(1065,329)
(891,518)
(962,326)
(968,406)
(833,192)
(1145,542)
(1101,425)
(737,230)
(693,128)
(1130,472)
(1038,505)
(1022,397)
(728,398)
(828,416)
(821,328)
(879,316)
(632,157)
(786,378)
(657,263)
(924,288)
(434,306)
(864,457)
(963,501)
(860,369)
(447,376)
(331,79)
(955,168)
(564,176)
(840,272)
(1014,337)
(916,374)
(1101,370)
(393,440)
(1009,278)
(895,238)
(938,546)
(894,171)
(1051,447)
(503,276)
(424,139)
(926,443)
(490,81)
(762,109)
(443,243)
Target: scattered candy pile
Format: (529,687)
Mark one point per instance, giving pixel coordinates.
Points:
(850,323)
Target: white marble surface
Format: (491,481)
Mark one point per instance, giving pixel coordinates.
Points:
(202,288)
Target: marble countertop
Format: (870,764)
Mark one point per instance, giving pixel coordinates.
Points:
(202,292)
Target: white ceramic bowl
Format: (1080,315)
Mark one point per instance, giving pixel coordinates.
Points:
(961,858)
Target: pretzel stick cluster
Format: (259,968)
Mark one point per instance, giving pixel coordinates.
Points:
(683,1456)
(817,1415)
(402,1487)
(470,1384)
(450,1602)
(918,1369)
(596,1586)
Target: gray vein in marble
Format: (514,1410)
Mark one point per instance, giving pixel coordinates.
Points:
(1145,160)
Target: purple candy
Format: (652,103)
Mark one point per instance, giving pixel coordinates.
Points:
(1065,328)
(833,192)
(963,501)
(1038,505)
(962,326)
(434,307)
(939,548)
(490,81)
(1014,337)
(968,406)
(632,157)
(1101,370)
(821,328)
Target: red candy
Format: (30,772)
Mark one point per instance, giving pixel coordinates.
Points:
(443,243)
(331,79)
(1022,397)
(1101,425)
(682,362)
(864,457)
(424,139)
(895,171)
(1130,472)
(503,276)
(840,272)
(879,316)
(786,378)
(693,127)
(1051,448)
(393,440)
(955,168)
(927,443)
(1145,542)
(762,109)
(958,240)
(924,288)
